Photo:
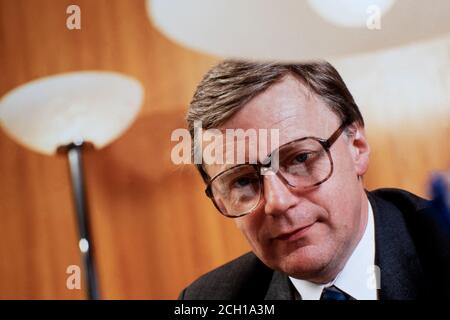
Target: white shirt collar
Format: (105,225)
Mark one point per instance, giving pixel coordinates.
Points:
(357,278)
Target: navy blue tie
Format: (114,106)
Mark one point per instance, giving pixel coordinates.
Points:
(333,293)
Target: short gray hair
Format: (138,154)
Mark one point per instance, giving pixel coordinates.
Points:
(231,84)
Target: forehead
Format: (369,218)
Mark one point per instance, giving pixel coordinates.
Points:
(288,106)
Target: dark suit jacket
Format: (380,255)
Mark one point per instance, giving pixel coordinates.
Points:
(412,250)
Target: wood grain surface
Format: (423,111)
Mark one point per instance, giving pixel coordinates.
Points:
(153,228)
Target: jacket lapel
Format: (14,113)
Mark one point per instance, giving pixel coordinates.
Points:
(395,253)
(280,288)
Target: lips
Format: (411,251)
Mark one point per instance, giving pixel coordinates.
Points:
(295,234)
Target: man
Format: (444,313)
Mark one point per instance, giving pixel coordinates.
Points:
(315,232)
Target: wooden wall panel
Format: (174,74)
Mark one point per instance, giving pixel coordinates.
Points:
(37,225)
(115,35)
(153,235)
(154,230)
(405,156)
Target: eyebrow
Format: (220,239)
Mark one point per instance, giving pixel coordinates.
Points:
(227,166)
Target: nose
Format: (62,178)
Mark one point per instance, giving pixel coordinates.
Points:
(277,195)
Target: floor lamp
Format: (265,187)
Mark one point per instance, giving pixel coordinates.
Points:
(66,114)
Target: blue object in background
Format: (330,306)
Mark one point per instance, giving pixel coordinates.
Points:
(440,194)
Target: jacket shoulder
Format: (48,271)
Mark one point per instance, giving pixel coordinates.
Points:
(429,229)
(243,278)
(402,199)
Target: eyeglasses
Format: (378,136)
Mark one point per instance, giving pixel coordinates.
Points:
(302,164)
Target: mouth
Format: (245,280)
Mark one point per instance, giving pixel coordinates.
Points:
(295,234)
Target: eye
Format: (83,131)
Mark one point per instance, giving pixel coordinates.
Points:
(242,182)
(302,157)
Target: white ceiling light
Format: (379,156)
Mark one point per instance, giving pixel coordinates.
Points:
(292,30)
(350,13)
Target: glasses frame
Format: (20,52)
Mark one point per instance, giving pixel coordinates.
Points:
(325,143)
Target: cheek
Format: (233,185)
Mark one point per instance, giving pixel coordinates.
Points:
(342,207)
(340,212)
(339,192)
(343,162)
(337,200)
(251,226)
(246,226)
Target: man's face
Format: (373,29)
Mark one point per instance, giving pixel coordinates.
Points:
(308,235)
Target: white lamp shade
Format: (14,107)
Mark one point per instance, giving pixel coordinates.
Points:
(350,13)
(292,30)
(55,111)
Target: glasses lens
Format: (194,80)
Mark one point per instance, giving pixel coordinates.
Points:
(237,191)
(305,163)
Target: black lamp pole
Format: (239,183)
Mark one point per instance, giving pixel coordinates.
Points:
(74,154)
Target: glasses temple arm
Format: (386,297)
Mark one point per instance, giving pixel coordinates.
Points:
(328,143)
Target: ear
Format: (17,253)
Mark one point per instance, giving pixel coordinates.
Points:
(359,148)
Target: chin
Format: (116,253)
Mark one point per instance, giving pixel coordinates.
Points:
(308,263)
